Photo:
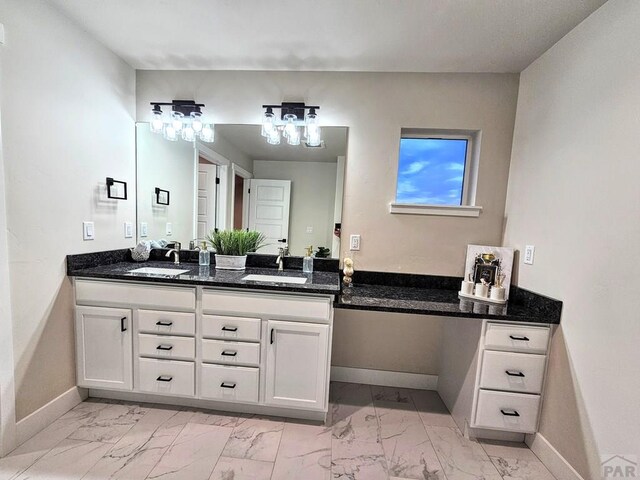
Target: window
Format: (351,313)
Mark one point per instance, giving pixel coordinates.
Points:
(436,173)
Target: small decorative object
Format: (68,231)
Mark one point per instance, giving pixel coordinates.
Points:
(497,290)
(348,272)
(322,252)
(482,289)
(116,189)
(307,260)
(232,246)
(490,265)
(467,285)
(204,256)
(141,252)
(162,196)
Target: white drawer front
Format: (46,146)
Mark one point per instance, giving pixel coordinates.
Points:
(515,372)
(231,328)
(272,306)
(232,353)
(167,377)
(515,412)
(90,292)
(164,346)
(230,384)
(166,323)
(516,338)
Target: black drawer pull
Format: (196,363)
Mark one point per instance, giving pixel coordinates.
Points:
(512,413)
(164,347)
(164,378)
(227,353)
(122,327)
(164,323)
(272,335)
(229,329)
(228,385)
(514,374)
(517,337)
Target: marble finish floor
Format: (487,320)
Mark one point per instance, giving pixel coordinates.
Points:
(372,433)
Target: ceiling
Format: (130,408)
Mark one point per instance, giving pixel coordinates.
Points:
(329,35)
(248,140)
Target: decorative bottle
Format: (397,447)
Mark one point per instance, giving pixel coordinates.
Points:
(307,261)
(204,256)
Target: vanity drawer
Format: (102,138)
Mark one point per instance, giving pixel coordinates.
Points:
(167,323)
(514,412)
(90,292)
(231,384)
(166,377)
(265,305)
(231,328)
(239,353)
(516,338)
(164,346)
(515,372)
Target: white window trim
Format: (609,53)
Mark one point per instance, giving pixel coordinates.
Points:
(469,182)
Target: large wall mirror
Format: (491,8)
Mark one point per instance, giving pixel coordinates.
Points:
(293,194)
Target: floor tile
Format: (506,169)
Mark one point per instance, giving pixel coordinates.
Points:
(193,454)
(69,460)
(109,424)
(255,439)
(242,469)
(211,417)
(497,448)
(514,469)
(391,394)
(305,452)
(432,409)
(461,458)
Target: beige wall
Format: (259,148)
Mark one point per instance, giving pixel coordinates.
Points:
(375,106)
(67,124)
(313,190)
(573,193)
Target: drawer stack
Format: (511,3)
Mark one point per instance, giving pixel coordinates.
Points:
(513,361)
(166,347)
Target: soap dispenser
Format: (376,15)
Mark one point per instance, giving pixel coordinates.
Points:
(204,256)
(307,261)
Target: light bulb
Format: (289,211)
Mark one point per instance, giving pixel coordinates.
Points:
(169,132)
(207,133)
(188,133)
(156,121)
(268,120)
(290,127)
(196,121)
(274,137)
(294,137)
(176,121)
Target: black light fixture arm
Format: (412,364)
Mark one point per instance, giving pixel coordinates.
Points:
(183,106)
(296,108)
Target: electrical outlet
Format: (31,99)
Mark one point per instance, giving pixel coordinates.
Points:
(529,250)
(88,231)
(144,229)
(354,242)
(128,229)
(169,229)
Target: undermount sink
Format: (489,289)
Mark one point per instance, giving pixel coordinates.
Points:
(158,271)
(274,279)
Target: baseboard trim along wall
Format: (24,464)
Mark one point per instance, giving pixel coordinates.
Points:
(384,378)
(49,413)
(551,458)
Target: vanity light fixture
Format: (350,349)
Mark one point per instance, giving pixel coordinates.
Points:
(185,121)
(294,123)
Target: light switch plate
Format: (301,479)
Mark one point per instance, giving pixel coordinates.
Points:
(144,230)
(354,242)
(88,231)
(128,229)
(169,230)
(529,250)
(309,229)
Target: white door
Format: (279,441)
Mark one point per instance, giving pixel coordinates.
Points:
(269,211)
(207,198)
(104,348)
(297,356)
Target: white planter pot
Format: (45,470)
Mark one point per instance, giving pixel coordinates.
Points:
(231,262)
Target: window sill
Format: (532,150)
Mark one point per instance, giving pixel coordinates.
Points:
(442,210)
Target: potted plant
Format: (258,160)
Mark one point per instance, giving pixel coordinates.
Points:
(232,246)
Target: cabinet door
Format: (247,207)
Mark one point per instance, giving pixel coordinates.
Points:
(297,364)
(104,348)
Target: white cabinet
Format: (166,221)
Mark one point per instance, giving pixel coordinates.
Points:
(104,348)
(297,364)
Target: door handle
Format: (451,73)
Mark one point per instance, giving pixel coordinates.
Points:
(512,413)
(229,329)
(272,336)
(123,328)
(517,337)
(164,378)
(228,385)
(514,374)
(227,353)
(164,347)
(164,323)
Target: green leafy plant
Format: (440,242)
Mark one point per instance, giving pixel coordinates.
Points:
(322,252)
(236,242)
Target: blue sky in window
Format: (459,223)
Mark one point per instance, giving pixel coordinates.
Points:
(431,171)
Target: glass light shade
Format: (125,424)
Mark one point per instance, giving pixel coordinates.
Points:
(169,132)
(294,137)
(207,133)
(268,126)
(156,121)
(274,137)
(176,120)
(196,121)
(188,133)
(290,127)
(313,138)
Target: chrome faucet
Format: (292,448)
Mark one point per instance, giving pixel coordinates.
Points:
(282,252)
(176,260)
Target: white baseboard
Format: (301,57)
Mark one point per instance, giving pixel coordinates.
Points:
(418,381)
(49,413)
(552,459)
